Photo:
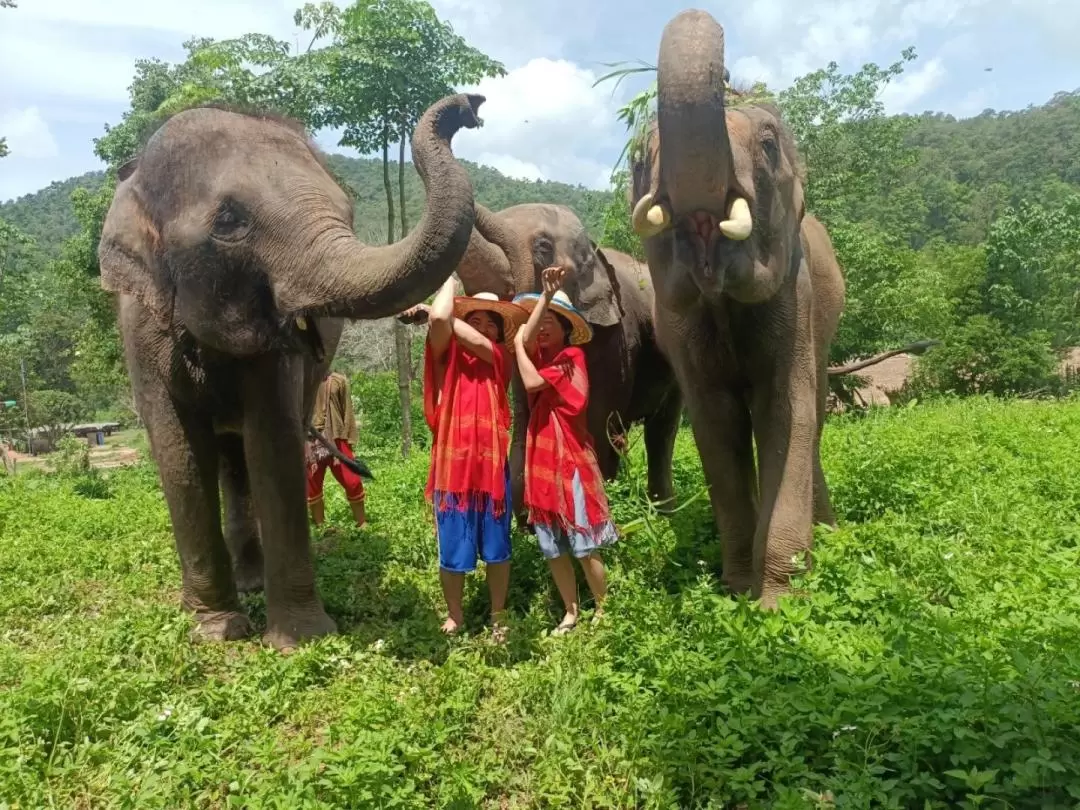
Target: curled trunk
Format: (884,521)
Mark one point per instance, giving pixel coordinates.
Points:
(354,280)
(695,154)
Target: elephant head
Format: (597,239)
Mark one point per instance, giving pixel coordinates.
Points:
(717,193)
(510,248)
(230,225)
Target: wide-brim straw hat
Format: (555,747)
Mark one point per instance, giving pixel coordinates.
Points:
(580,329)
(513,316)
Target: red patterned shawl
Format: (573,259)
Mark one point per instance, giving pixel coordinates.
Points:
(469,417)
(558,443)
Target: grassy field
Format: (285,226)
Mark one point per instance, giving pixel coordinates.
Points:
(935,661)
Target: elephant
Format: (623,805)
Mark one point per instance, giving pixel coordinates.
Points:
(231,252)
(630,380)
(748,299)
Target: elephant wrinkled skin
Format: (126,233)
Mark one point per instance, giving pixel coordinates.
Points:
(629,378)
(748,298)
(232,250)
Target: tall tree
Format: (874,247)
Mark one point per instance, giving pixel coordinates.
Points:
(388,62)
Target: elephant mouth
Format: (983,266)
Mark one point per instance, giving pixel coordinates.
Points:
(302,334)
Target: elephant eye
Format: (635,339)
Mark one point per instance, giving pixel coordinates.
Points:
(771,148)
(230,222)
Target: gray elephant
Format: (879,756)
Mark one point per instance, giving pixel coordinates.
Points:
(232,250)
(748,298)
(630,380)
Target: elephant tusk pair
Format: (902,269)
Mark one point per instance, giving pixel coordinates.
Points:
(649,220)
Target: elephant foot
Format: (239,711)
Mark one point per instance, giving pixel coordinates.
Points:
(664,501)
(738,583)
(287,629)
(222,625)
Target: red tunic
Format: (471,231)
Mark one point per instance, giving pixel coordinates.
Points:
(558,444)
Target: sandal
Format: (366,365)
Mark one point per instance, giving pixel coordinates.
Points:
(565,626)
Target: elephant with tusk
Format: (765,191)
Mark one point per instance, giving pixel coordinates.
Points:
(232,252)
(748,298)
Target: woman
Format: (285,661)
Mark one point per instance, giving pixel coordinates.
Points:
(564,490)
(467,369)
(334,418)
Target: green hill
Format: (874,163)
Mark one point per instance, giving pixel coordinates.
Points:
(47,215)
(967,171)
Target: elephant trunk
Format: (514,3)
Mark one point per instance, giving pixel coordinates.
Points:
(354,280)
(695,155)
(516,251)
(485,267)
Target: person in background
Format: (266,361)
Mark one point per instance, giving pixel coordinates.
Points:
(467,371)
(333,417)
(564,490)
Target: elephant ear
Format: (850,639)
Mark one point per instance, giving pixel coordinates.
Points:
(598,293)
(129,247)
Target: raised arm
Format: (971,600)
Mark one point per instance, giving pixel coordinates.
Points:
(441,318)
(552,279)
(530,377)
(473,342)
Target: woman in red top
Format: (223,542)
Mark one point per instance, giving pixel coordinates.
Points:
(467,369)
(564,490)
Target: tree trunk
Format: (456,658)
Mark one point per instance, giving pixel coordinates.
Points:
(401,337)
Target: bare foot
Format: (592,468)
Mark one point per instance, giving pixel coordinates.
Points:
(227,625)
(286,629)
(451,626)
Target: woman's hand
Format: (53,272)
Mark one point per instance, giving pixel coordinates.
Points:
(416,314)
(552,279)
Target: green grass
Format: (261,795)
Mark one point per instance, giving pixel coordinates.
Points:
(935,661)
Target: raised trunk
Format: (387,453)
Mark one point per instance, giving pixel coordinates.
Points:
(695,155)
(354,280)
(517,252)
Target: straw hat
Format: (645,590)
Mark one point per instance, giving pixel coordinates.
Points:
(580,330)
(511,314)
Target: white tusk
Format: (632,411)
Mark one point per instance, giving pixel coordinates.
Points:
(301,323)
(648,219)
(739,223)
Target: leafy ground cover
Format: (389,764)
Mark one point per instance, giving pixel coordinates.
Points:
(931,662)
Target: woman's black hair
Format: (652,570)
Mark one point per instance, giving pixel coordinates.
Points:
(567,327)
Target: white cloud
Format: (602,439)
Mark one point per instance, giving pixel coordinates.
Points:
(511,166)
(901,95)
(545,120)
(27,134)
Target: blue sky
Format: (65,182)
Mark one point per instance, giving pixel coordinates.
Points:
(67,64)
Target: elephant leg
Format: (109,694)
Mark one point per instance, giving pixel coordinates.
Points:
(722,432)
(185,450)
(785,427)
(823,510)
(661,428)
(241,528)
(273,450)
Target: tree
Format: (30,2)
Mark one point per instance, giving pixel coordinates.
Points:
(388,62)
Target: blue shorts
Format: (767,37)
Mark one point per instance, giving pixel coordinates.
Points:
(466,534)
(554,541)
